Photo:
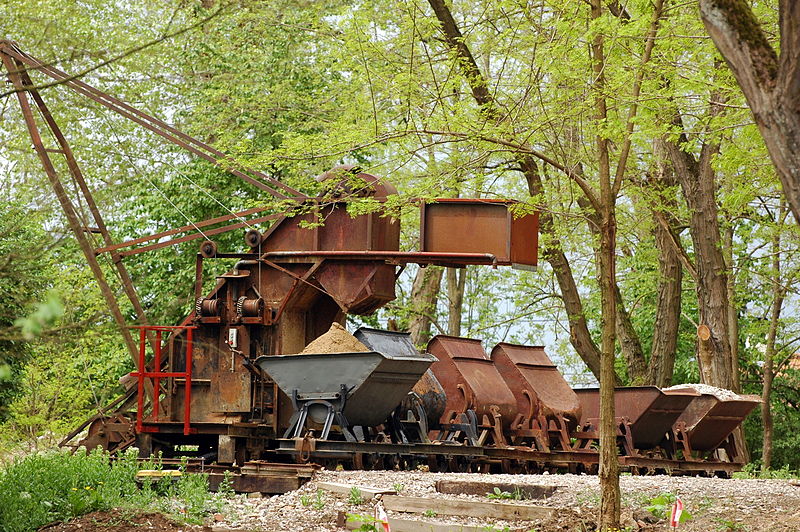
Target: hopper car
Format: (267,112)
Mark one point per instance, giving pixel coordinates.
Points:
(234,382)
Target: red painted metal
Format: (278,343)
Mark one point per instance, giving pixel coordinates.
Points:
(477,225)
(396,257)
(187,400)
(156,375)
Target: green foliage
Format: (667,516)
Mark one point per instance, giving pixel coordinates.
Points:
(661,507)
(45,315)
(368,522)
(355,497)
(225,487)
(42,488)
(429,513)
(397,487)
(318,502)
(754,470)
(730,525)
(516,495)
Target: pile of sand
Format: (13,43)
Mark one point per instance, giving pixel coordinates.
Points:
(336,340)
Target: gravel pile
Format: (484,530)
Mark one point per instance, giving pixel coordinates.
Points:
(721,393)
(715,504)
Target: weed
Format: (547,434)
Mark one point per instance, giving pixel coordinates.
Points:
(225,488)
(355,497)
(367,522)
(516,495)
(730,525)
(429,513)
(305,501)
(397,487)
(319,501)
(753,470)
(588,498)
(661,506)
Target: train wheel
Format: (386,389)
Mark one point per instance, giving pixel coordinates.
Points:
(358,461)
(511,467)
(459,464)
(366,461)
(395,462)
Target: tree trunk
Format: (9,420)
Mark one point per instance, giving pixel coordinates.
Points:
(553,253)
(771,84)
(609,464)
(778,294)
(733,314)
(670,279)
(456,279)
(424,295)
(629,343)
(697,181)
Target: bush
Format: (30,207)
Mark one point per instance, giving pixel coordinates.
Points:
(43,488)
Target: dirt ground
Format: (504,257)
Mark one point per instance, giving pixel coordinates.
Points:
(724,505)
(122,521)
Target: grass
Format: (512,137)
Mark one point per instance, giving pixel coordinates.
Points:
(42,488)
(753,470)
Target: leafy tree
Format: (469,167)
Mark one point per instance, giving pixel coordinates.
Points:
(25,273)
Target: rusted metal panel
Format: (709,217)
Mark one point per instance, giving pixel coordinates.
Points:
(231,382)
(470,379)
(528,368)
(359,287)
(340,231)
(650,412)
(479,226)
(709,420)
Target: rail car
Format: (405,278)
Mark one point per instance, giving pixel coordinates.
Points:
(238,379)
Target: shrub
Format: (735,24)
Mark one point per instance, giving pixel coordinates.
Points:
(42,488)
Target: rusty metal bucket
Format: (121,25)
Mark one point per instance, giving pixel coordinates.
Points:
(470,378)
(537,385)
(709,420)
(375,382)
(650,411)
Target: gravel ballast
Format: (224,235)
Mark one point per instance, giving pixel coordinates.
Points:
(714,503)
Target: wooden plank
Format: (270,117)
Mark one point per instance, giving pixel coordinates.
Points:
(271,484)
(468,487)
(484,510)
(368,492)
(414,525)
(157,473)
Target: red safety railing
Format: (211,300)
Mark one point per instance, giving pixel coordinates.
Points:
(156,374)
